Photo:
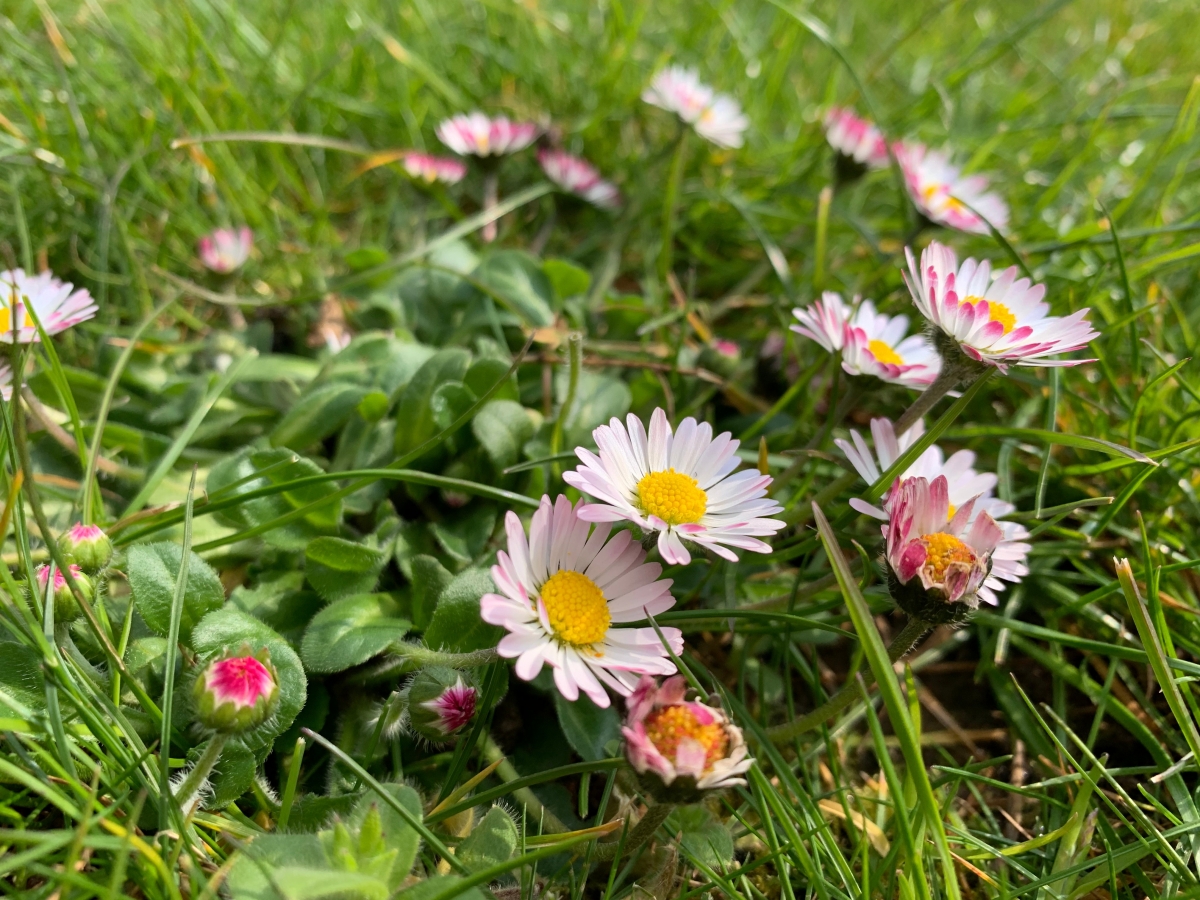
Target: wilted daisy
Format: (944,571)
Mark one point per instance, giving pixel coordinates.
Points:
(997,319)
(564,594)
(944,195)
(716,117)
(964,484)
(56,304)
(430,169)
(579,177)
(856,138)
(937,562)
(226,249)
(475,134)
(870,342)
(679,485)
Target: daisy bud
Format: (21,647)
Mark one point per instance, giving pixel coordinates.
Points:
(87,546)
(681,748)
(236,693)
(66,608)
(721,356)
(441,702)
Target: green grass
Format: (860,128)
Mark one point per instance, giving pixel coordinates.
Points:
(1030,753)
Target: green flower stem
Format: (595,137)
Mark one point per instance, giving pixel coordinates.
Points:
(670,201)
(642,832)
(203,768)
(422,656)
(574,364)
(952,375)
(62,636)
(908,637)
(491,197)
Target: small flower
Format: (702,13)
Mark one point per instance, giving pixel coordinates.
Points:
(86,545)
(936,562)
(721,356)
(944,195)
(684,746)
(563,592)
(579,177)
(856,138)
(679,485)
(870,342)
(440,703)
(475,134)
(66,607)
(716,117)
(999,319)
(226,249)
(964,484)
(429,169)
(6,382)
(236,693)
(56,304)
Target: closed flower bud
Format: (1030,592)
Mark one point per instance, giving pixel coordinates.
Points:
(87,546)
(441,702)
(721,356)
(66,608)
(236,693)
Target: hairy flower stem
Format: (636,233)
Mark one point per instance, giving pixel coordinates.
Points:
(203,768)
(949,378)
(642,832)
(491,197)
(422,656)
(671,198)
(574,364)
(908,637)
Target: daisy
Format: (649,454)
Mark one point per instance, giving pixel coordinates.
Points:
(56,304)
(577,176)
(563,594)
(870,342)
(475,134)
(944,195)
(429,169)
(6,382)
(964,485)
(716,117)
(937,562)
(856,138)
(997,319)
(226,249)
(679,485)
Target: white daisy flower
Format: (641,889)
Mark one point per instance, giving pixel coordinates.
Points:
(997,319)
(965,485)
(56,304)
(563,592)
(578,176)
(716,117)
(475,134)
(429,168)
(944,195)
(226,249)
(870,342)
(723,122)
(679,485)
(856,138)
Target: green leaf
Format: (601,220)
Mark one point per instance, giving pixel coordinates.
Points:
(449,401)
(465,536)
(233,774)
(492,841)
(704,838)
(278,466)
(397,834)
(153,569)
(415,422)
(588,728)
(338,568)
(502,427)
(228,629)
(247,881)
(429,579)
(317,414)
(437,886)
(21,688)
(307,883)
(597,399)
(456,624)
(520,282)
(486,372)
(350,631)
(567,279)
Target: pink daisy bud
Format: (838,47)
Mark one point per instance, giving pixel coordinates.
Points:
(236,693)
(66,607)
(440,703)
(681,748)
(226,249)
(87,546)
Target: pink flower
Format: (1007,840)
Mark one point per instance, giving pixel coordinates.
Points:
(454,708)
(475,134)
(226,249)
(86,545)
(236,693)
(944,195)
(428,168)
(728,349)
(579,177)
(55,303)
(856,138)
(674,738)
(716,117)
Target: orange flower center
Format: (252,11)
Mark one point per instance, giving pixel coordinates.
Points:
(942,550)
(669,726)
(576,608)
(885,354)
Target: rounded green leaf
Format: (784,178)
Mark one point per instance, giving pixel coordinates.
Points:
(338,568)
(522,286)
(317,414)
(493,841)
(456,624)
(351,631)
(415,423)
(502,427)
(153,569)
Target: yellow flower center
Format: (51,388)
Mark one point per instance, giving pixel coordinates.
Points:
(885,354)
(941,550)
(669,726)
(672,496)
(576,608)
(998,312)
(953,509)
(6,324)
(485,142)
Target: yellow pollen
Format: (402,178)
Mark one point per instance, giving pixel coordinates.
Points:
(668,726)
(885,354)
(952,511)
(485,141)
(931,191)
(672,496)
(576,608)
(998,312)
(941,550)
